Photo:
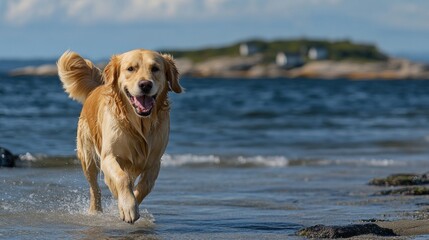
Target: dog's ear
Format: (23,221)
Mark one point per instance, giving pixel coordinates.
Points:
(111,71)
(172,74)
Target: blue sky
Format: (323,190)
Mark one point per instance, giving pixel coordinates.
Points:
(100,28)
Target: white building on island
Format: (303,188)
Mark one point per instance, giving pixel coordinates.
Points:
(247,49)
(289,60)
(317,53)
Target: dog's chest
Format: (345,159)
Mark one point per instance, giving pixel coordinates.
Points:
(148,146)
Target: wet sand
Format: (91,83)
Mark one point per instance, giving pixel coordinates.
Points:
(407,227)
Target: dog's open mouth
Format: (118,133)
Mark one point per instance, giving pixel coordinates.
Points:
(143,105)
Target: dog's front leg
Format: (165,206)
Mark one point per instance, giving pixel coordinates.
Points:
(147,181)
(120,185)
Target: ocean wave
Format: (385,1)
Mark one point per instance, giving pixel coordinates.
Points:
(368,162)
(46,161)
(223,161)
(191,160)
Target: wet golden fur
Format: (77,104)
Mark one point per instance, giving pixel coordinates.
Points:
(111,135)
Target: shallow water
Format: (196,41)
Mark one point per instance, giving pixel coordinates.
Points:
(200,202)
(247,159)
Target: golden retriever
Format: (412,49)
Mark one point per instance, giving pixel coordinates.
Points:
(124,125)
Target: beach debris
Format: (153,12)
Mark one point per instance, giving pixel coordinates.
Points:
(401,179)
(322,231)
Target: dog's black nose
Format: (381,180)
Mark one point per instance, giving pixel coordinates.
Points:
(145,86)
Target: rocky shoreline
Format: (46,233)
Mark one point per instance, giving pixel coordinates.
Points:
(396,184)
(254,67)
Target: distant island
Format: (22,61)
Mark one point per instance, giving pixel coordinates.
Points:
(332,50)
(293,58)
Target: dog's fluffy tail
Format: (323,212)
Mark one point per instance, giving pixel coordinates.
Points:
(79,76)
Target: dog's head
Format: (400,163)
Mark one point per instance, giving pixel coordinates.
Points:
(142,76)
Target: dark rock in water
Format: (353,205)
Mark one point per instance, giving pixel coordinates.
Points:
(404,179)
(408,191)
(401,180)
(322,231)
(7,159)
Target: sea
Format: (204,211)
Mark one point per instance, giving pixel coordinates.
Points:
(247,159)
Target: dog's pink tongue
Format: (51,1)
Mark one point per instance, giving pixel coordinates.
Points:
(143,103)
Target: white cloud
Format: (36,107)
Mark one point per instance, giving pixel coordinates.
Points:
(390,13)
(406,15)
(135,10)
(20,12)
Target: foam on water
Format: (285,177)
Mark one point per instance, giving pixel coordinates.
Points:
(359,162)
(189,159)
(224,161)
(28,157)
(267,161)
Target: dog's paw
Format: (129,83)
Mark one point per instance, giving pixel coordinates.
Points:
(128,209)
(94,211)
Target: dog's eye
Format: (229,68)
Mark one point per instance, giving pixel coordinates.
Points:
(130,69)
(154,69)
